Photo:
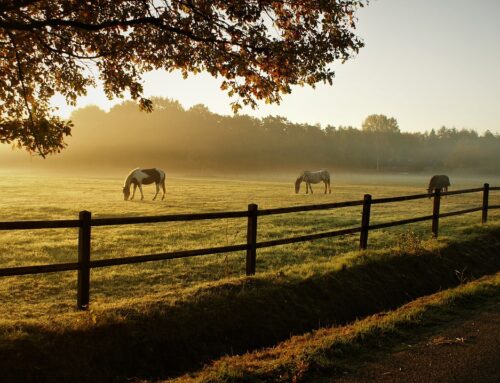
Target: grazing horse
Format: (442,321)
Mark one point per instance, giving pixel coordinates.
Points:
(440,182)
(137,177)
(313,178)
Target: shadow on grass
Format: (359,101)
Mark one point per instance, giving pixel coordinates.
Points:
(240,316)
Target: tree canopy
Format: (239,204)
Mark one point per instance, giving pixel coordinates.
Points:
(260,48)
(379,123)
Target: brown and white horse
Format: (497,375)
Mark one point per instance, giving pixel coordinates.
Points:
(313,178)
(138,177)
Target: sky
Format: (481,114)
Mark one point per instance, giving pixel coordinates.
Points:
(427,63)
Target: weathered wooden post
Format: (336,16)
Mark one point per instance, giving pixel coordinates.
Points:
(435,212)
(251,239)
(82,298)
(365,222)
(486,193)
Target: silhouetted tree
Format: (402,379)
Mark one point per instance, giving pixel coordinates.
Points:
(382,129)
(258,47)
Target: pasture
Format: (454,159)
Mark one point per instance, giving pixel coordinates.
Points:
(46,297)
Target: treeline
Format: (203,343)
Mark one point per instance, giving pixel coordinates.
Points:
(201,141)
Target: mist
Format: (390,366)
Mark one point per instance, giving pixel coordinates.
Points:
(198,142)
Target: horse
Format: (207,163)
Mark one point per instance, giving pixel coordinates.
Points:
(313,178)
(440,182)
(138,177)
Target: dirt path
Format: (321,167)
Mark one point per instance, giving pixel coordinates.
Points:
(464,352)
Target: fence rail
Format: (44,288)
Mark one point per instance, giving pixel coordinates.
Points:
(29,225)
(167,218)
(86,222)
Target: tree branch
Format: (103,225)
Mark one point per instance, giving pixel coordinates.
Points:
(25,96)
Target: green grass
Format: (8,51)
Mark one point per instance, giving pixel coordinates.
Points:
(42,297)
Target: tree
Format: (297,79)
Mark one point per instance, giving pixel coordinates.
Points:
(260,48)
(379,123)
(381,127)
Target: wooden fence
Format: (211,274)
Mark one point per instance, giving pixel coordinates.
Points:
(85,224)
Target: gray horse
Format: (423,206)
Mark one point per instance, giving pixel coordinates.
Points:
(313,178)
(440,182)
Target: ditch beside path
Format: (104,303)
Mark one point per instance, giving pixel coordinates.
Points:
(463,352)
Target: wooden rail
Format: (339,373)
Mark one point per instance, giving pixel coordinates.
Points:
(167,218)
(86,222)
(25,225)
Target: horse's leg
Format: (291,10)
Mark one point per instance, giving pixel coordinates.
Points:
(163,187)
(157,190)
(311,188)
(307,187)
(325,186)
(140,189)
(329,187)
(133,192)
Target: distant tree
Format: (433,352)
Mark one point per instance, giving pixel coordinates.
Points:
(260,48)
(380,126)
(200,109)
(431,135)
(379,123)
(487,134)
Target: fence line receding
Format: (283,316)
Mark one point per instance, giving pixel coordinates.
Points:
(86,222)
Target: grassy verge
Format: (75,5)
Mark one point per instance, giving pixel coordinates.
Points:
(160,336)
(338,349)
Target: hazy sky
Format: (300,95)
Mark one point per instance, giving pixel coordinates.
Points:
(427,63)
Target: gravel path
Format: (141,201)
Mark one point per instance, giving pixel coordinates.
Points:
(466,351)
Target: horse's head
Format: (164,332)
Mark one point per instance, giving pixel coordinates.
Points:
(297,184)
(126,193)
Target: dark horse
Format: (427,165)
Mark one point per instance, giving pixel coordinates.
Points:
(440,182)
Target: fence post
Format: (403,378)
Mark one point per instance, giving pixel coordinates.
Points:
(435,212)
(486,193)
(82,297)
(251,239)
(365,222)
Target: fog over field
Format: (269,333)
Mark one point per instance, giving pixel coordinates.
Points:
(198,142)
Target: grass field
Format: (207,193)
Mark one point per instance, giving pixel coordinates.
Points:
(158,320)
(41,297)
